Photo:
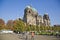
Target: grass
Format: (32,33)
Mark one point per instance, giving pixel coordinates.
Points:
(46,33)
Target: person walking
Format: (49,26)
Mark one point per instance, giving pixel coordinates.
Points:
(27,33)
(32,34)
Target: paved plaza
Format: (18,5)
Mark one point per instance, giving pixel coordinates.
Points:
(22,37)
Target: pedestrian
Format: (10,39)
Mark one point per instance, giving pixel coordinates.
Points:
(27,35)
(32,34)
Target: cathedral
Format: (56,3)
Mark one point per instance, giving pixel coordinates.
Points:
(31,17)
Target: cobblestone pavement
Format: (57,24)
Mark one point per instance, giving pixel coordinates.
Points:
(23,37)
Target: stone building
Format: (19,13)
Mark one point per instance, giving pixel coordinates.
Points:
(39,20)
(31,16)
(46,20)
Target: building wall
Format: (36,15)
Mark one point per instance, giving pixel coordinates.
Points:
(39,20)
(31,20)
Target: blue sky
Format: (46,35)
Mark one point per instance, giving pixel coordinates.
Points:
(13,9)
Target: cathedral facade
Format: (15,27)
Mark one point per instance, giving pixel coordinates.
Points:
(31,17)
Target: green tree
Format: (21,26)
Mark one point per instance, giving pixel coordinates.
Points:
(57,28)
(9,24)
(19,25)
(27,27)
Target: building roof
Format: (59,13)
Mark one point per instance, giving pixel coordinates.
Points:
(30,7)
(46,14)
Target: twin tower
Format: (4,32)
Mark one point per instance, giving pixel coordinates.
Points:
(31,17)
